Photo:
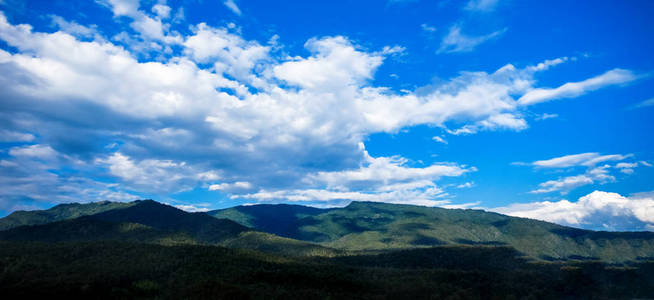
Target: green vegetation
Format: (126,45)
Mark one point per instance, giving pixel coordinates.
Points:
(110,270)
(148,250)
(58,213)
(379,226)
(278,219)
(148,221)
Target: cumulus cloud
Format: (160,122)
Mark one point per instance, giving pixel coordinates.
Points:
(27,180)
(456,41)
(224,111)
(597,210)
(190,208)
(73,28)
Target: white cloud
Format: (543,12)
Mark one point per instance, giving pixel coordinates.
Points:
(439,139)
(162,11)
(466,185)
(645,103)
(190,208)
(151,29)
(13,136)
(584,159)
(628,168)
(152,175)
(231,187)
(73,28)
(229,53)
(427,28)
(383,171)
(455,41)
(597,210)
(574,89)
(481,5)
(335,64)
(425,197)
(232,6)
(34,151)
(27,179)
(225,110)
(549,63)
(594,173)
(122,7)
(546,116)
(564,185)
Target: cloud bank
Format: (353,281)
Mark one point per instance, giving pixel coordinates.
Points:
(155,111)
(597,210)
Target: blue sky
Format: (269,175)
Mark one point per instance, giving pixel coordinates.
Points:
(529,108)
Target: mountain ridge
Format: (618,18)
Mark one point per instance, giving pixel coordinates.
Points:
(297,229)
(365,225)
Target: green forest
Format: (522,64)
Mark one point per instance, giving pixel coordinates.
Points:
(148,250)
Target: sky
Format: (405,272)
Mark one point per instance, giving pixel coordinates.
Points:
(539,109)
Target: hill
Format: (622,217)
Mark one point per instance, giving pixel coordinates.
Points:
(147,221)
(380,226)
(58,213)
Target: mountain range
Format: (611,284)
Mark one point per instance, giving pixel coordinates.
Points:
(301,230)
(149,250)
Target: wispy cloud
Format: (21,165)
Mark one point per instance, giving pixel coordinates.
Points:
(597,170)
(574,89)
(427,28)
(456,41)
(583,159)
(481,5)
(646,103)
(232,6)
(439,139)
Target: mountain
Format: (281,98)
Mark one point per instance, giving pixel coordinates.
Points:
(147,221)
(278,219)
(300,230)
(144,220)
(58,213)
(380,226)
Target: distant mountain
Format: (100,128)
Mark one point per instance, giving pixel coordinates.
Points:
(151,222)
(58,213)
(380,226)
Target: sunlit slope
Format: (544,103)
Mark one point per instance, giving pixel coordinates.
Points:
(378,226)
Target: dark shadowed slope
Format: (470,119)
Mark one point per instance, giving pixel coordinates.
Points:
(379,226)
(279,219)
(118,270)
(58,213)
(164,217)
